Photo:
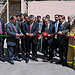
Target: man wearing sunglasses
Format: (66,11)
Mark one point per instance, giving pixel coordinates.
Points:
(56,24)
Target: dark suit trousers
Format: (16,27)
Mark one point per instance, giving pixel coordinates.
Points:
(55,44)
(63,49)
(13,50)
(31,46)
(47,49)
(1,46)
(23,44)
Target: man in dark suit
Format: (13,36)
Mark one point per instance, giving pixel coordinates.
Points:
(48,17)
(2,30)
(23,39)
(48,41)
(13,30)
(31,30)
(64,28)
(56,24)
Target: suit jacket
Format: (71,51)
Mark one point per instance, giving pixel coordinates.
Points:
(40,24)
(34,31)
(11,31)
(51,21)
(3,27)
(64,29)
(22,25)
(54,25)
(50,31)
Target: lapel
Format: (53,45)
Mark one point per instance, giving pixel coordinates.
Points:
(32,27)
(12,27)
(28,26)
(63,26)
(50,27)
(1,23)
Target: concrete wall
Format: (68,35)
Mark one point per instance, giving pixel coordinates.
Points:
(51,7)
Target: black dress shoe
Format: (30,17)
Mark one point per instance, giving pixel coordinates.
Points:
(17,58)
(51,61)
(60,62)
(64,64)
(27,60)
(35,59)
(11,62)
(2,59)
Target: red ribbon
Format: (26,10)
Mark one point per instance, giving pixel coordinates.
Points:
(6,35)
(44,34)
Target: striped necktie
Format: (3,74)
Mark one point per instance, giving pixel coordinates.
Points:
(16,32)
(1,32)
(30,28)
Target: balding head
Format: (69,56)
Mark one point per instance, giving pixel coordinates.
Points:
(13,19)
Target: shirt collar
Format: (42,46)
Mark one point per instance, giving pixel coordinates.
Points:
(30,23)
(71,23)
(63,22)
(12,23)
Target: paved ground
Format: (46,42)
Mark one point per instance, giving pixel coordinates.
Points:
(34,68)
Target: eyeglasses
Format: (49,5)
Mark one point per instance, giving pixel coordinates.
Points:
(56,17)
(31,20)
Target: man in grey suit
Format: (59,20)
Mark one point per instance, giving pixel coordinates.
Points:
(48,41)
(63,28)
(1,39)
(13,30)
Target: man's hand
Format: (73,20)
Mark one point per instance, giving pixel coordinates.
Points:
(59,32)
(18,35)
(49,35)
(68,35)
(55,36)
(21,35)
(39,32)
(27,34)
(31,35)
(74,37)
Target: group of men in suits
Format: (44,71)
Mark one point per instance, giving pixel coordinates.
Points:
(29,38)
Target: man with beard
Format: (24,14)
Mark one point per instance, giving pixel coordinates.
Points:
(31,30)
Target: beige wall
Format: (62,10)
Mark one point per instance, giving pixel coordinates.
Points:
(51,7)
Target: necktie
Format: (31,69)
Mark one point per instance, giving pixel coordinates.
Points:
(16,32)
(56,28)
(46,29)
(60,27)
(0,28)
(15,29)
(30,28)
